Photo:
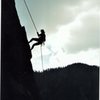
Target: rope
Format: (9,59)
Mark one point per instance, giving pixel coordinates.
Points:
(41,56)
(30,16)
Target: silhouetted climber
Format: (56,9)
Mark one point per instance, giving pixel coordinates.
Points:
(40,40)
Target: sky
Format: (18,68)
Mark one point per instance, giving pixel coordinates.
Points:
(72,30)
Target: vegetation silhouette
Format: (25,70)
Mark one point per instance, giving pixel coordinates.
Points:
(74,82)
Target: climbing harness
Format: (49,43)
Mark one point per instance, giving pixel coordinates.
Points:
(35,29)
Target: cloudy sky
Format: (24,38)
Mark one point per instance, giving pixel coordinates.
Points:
(72,29)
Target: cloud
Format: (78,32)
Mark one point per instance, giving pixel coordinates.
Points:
(61,12)
(85,32)
(61,59)
(81,34)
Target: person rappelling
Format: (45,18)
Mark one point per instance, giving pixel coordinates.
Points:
(40,40)
(41,37)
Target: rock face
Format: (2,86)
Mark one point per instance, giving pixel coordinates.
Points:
(16,72)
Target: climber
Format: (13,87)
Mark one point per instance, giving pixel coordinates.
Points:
(40,40)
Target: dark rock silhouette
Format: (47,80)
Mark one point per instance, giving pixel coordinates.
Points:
(16,72)
(74,82)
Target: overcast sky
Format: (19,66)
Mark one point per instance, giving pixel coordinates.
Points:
(72,28)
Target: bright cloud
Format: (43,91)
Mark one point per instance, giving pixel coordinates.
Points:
(62,59)
(81,34)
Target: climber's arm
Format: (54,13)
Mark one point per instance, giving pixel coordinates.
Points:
(38,34)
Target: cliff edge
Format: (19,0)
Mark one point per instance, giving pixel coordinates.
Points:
(16,72)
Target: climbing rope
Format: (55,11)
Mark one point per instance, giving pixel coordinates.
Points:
(30,16)
(35,29)
(41,56)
